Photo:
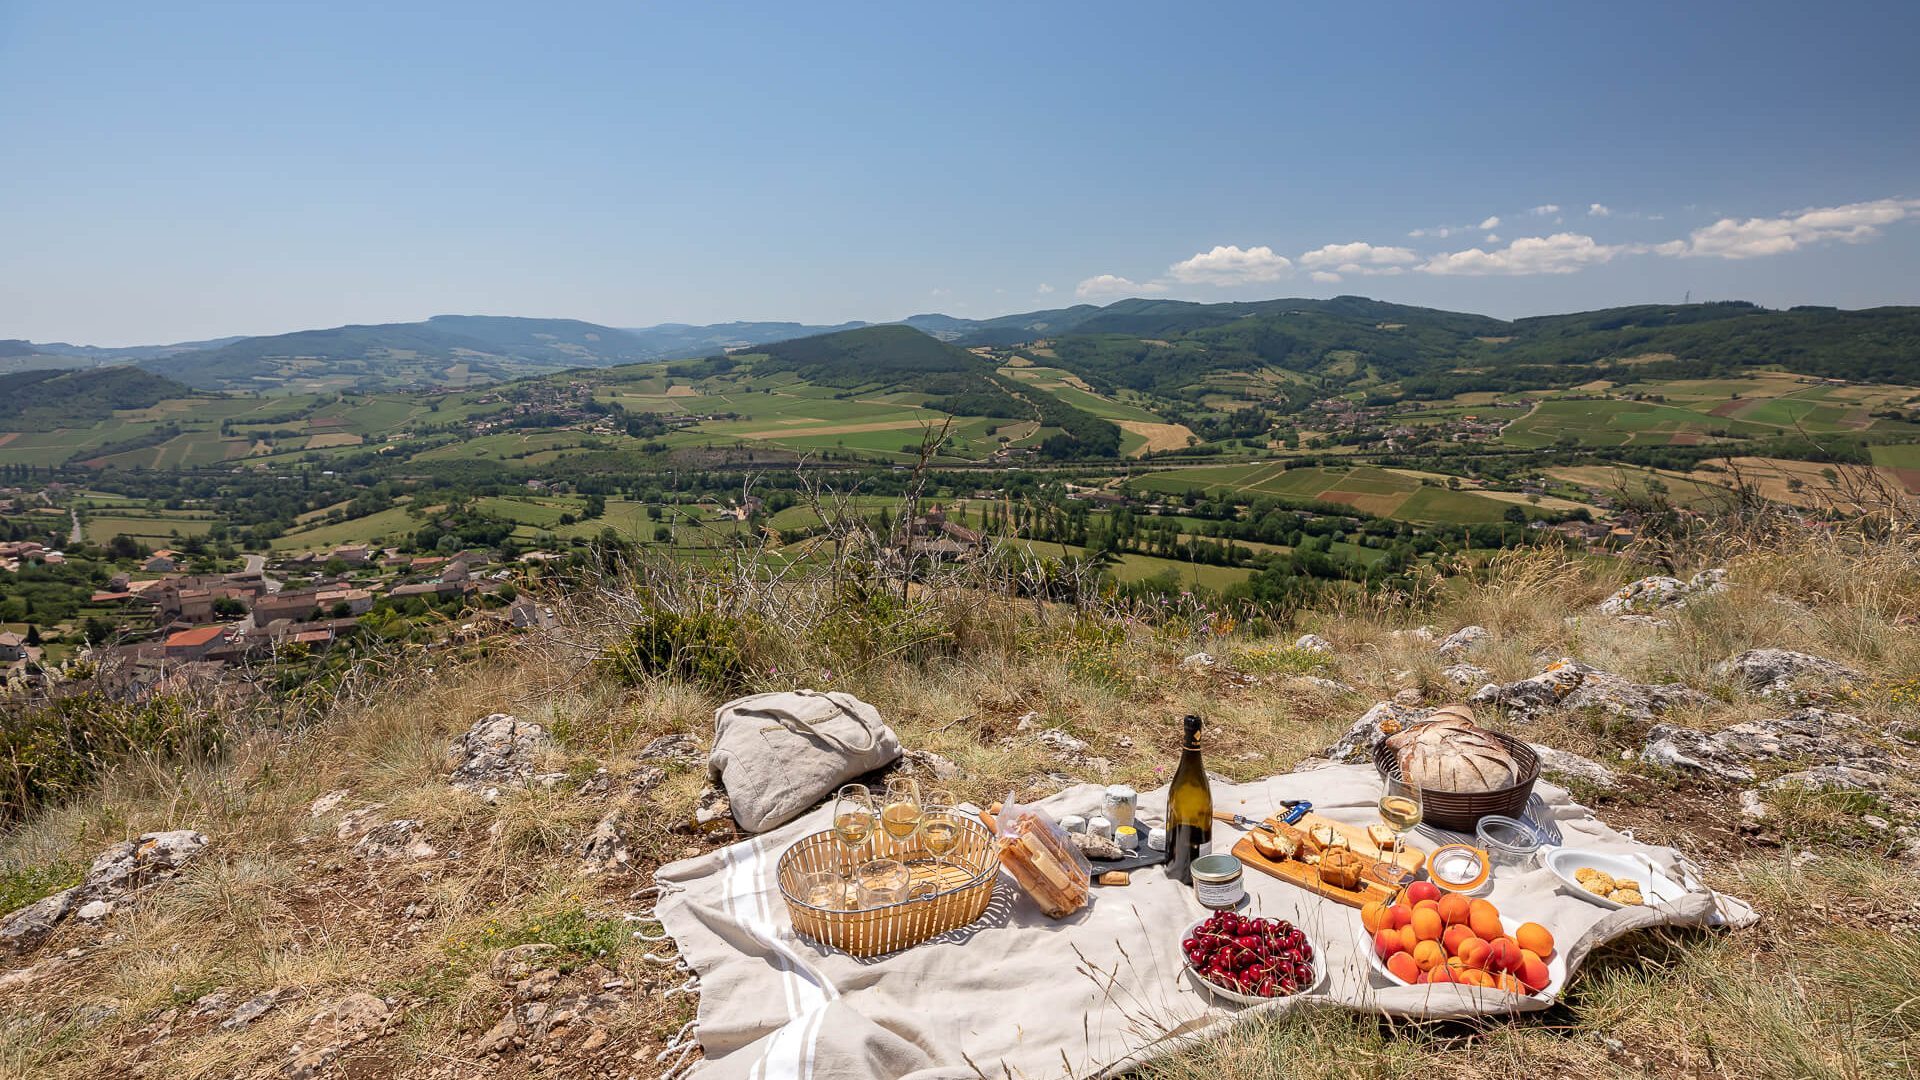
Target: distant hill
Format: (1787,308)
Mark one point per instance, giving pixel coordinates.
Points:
(872,354)
(680,341)
(43,400)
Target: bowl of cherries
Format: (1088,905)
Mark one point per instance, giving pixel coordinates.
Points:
(1249,960)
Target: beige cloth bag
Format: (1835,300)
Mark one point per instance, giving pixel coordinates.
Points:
(778,754)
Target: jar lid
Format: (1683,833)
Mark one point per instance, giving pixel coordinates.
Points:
(1508,835)
(1215,868)
(1459,867)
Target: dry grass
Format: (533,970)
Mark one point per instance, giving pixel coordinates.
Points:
(1823,987)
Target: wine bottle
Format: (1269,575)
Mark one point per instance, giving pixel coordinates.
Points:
(1189,808)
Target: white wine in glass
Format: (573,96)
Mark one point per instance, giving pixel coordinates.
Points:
(901,815)
(852,820)
(1401,808)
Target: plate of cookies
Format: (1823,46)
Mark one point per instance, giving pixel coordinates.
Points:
(1613,881)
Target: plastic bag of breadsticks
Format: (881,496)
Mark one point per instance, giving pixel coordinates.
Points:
(1036,851)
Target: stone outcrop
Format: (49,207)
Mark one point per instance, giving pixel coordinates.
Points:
(1562,763)
(497,750)
(1660,591)
(117,874)
(1570,684)
(1775,672)
(347,1022)
(1732,753)
(1312,643)
(1464,640)
(402,839)
(1466,676)
(606,849)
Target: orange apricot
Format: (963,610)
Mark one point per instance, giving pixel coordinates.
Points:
(1485,920)
(1427,925)
(1532,935)
(1408,938)
(1403,967)
(1473,953)
(1454,936)
(1533,972)
(1429,955)
(1386,943)
(1423,890)
(1455,909)
(1373,916)
(1399,915)
(1476,977)
(1427,905)
(1443,974)
(1504,955)
(1510,984)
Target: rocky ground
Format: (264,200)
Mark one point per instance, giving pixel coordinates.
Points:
(452,880)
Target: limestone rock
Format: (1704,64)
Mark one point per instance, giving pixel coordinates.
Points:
(498,749)
(1731,754)
(928,765)
(1554,760)
(94,910)
(250,1010)
(1199,661)
(514,964)
(1466,676)
(1463,640)
(122,870)
(1312,643)
(1660,591)
(30,925)
(673,748)
(1570,684)
(1773,672)
(400,839)
(1063,744)
(1385,718)
(326,804)
(356,823)
(606,850)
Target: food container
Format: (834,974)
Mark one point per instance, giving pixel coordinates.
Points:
(1460,868)
(1510,843)
(1157,838)
(1118,804)
(1100,826)
(1461,811)
(944,893)
(1074,823)
(1127,837)
(1217,881)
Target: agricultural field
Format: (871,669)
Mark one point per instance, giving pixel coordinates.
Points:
(151,527)
(1384,493)
(383,526)
(1691,411)
(1633,481)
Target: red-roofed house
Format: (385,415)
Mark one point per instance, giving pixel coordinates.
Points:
(195,643)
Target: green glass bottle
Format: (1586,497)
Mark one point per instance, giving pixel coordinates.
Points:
(1189,808)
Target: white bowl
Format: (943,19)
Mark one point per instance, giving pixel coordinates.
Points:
(1319,965)
(1656,887)
(1380,967)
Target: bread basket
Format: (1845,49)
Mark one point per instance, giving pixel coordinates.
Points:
(1460,811)
(944,895)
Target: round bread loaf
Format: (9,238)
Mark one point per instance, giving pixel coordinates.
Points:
(1454,754)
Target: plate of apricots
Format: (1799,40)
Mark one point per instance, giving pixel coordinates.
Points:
(1427,937)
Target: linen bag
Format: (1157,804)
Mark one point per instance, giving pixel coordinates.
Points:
(778,754)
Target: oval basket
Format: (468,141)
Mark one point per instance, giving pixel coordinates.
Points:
(1460,811)
(952,895)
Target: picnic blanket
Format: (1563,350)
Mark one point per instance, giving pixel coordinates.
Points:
(1017,994)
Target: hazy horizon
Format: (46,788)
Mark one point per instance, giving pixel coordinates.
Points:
(204,171)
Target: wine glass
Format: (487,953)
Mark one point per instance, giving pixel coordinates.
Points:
(852,822)
(939,828)
(900,814)
(1402,807)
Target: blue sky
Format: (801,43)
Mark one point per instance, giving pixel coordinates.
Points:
(173,171)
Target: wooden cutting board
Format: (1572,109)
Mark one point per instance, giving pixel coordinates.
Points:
(1307,877)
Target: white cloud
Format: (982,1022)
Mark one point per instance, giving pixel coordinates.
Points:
(1440,232)
(1231,265)
(1597,210)
(1491,223)
(1853,223)
(1325,276)
(1561,253)
(1114,285)
(1490,238)
(1044,289)
(1359,257)
(1544,209)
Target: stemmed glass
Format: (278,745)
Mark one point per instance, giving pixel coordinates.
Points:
(852,822)
(938,828)
(900,814)
(1402,807)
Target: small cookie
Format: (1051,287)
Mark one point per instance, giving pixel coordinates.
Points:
(1629,897)
(1597,886)
(1626,883)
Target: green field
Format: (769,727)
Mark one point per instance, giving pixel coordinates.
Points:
(145,526)
(382,526)
(1385,493)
